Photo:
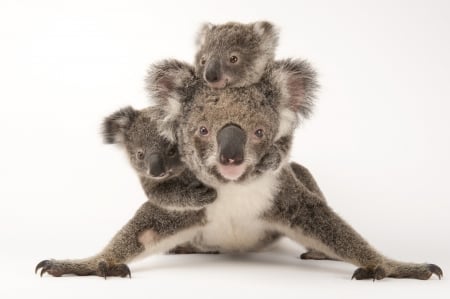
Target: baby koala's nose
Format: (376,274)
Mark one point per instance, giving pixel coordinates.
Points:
(156,165)
(213,72)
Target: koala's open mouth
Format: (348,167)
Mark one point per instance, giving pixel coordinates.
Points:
(232,172)
(161,176)
(219,84)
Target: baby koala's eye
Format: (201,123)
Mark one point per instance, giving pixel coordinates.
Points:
(172,151)
(259,133)
(234,59)
(203,60)
(140,155)
(203,131)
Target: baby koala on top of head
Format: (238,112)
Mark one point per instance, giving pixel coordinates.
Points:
(164,177)
(236,55)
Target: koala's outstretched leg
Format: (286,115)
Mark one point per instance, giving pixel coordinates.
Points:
(307,219)
(305,177)
(152,229)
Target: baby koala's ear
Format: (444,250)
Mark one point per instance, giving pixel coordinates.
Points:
(168,82)
(201,35)
(117,124)
(268,33)
(297,82)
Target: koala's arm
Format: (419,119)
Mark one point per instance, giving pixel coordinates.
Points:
(304,217)
(182,191)
(152,229)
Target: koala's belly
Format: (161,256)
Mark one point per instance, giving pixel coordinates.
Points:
(234,222)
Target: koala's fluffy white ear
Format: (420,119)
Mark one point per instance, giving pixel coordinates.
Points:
(169,83)
(268,33)
(296,82)
(201,35)
(115,126)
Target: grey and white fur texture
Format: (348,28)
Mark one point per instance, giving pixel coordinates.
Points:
(164,177)
(222,145)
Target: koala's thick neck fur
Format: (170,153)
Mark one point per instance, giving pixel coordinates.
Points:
(164,177)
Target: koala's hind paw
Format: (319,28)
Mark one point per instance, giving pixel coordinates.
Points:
(120,270)
(376,274)
(414,271)
(102,269)
(48,266)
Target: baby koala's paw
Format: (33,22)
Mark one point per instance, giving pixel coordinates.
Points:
(203,193)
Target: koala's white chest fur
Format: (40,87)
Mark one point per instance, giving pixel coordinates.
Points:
(234,222)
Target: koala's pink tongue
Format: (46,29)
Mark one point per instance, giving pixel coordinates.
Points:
(231,172)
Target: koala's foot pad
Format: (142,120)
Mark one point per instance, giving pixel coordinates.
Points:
(422,272)
(56,268)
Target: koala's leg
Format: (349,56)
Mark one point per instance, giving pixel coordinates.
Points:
(306,178)
(307,219)
(151,230)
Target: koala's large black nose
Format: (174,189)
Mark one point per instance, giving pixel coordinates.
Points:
(213,72)
(156,165)
(231,140)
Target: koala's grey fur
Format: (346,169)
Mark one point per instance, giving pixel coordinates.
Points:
(250,211)
(137,131)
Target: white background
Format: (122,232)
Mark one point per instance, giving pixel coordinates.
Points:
(378,142)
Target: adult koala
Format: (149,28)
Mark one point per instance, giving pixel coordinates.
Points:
(222,136)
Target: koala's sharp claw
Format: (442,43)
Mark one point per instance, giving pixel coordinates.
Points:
(435,269)
(41,265)
(43,270)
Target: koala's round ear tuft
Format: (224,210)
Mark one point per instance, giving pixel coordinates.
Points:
(116,125)
(268,33)
(168,83)
(297,82)
(201,35)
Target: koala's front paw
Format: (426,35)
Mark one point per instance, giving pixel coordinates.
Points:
(206,194)
(400,270)
(101,268)
(269,161)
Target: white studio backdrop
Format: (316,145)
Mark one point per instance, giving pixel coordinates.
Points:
(378,142)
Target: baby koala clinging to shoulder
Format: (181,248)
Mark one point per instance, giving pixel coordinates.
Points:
(235,54)
(164,177)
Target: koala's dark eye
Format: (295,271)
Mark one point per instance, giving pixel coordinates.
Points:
(140,155)
(172,151)
(203,60)
(259,133)
(203,131)
(233,59)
